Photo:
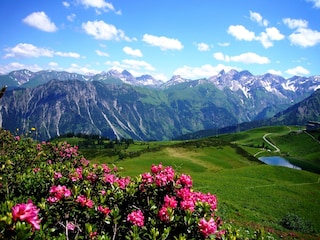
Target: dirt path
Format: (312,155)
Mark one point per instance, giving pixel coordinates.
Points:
(270,143)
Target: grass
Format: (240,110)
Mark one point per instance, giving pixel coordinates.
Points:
(249,193)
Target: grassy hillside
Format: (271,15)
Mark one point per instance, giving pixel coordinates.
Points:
(250,194)
(298,146)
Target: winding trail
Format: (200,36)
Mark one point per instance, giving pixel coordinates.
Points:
(312,137)
(270,143)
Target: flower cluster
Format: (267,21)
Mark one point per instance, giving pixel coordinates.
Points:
(180,196)
(136,218)
(78,199)
(57,193)
(104,210)
(84,201)
(27,212)
(207,227)
(68,151)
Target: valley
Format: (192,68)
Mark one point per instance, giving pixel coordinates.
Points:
(251,195)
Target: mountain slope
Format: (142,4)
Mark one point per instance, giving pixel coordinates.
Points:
(110,110)
(116,105)
(299,114)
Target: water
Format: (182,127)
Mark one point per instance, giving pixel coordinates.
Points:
(278,161)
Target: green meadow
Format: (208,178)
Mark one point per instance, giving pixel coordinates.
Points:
(251,195)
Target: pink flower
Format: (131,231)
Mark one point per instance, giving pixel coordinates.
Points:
(35,170)
(170,201)
(57,175)
(164,214)
(58,192)
(92,177)
(104,210)
(206,198)
(27,212)
(71,226)
(164,176)
(77,175)
(84,162)
(184,193)
(185,180)
(52,199)
(136,218)
(17,138)
(156,169)
(147,178)
(109,178)
(39,147)
(207,228)
(187,205)
(84,201)
(123,182)
(105,168)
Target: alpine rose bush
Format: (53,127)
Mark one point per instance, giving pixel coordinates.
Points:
(50,191)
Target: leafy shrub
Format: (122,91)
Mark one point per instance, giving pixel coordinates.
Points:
(294,222)
(50,191)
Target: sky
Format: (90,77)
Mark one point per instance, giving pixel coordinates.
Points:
(191,38)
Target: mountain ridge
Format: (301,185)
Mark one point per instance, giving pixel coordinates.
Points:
(108,105)
(24,77)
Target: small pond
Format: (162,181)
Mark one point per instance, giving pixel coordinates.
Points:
(278,161)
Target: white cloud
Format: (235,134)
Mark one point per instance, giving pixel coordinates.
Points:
(163,42)
(297,71)
(130,64)
(26,50)
(316,3)
(302,36)
(221,57)
(102,54)
(203,47)
(132,52)
(295,23)
(241,33)
(250,58)
(256,17)
(224,44)
(266,38)
(275,72)
(305,37)
(271,34)
(101,4)
(135,64)
(71,17)
(53,64)
(67,54)
(75,68)
(246,58)
(41,21)
(203,71)
(18,66)
(66,4)
(104,31)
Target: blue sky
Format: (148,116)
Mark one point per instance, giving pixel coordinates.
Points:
(191,38)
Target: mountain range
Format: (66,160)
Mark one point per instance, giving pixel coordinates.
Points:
(118,105)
